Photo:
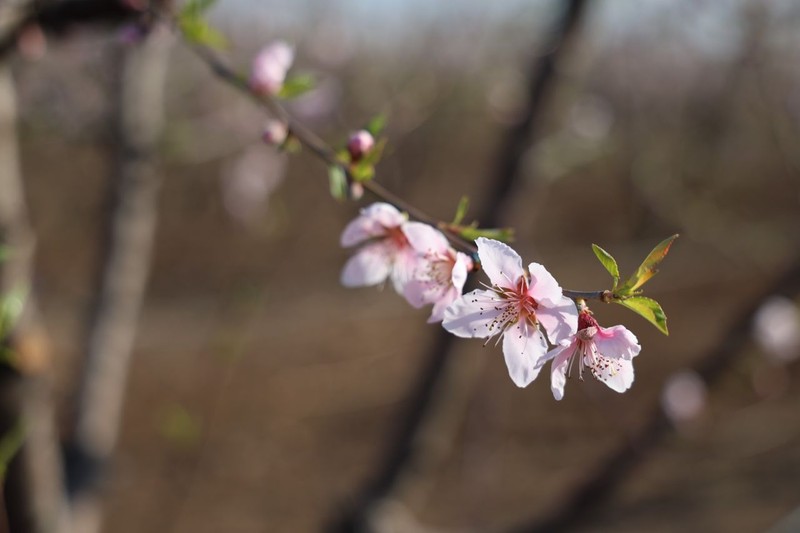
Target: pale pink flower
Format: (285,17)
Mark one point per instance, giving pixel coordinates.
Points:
(385,250)
(518,305)
(270,67)
(440,274)
(606,352)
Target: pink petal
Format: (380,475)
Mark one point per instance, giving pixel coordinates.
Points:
(371,223)
(617,342)
(502,264)
(406,262)
(441,305)
(460,270)
(523,348)
(424,238)
(473,315)
(369,266)
(543,287)
(616,373)
(558,370)
(559,321)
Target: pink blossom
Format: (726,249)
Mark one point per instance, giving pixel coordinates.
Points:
(518,305)
(360,144)
(440,274)
(275,132)
(606,352)
(270,67)
(385,250)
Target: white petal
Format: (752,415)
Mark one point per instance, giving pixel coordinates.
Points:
(524,348)
(424,238)
(371,223)
(369,266)
(558,370)
(439,307)
(474,315)
(502,264)
(559,321)
(544,288)
(460,270)
(616,373)
(617,342)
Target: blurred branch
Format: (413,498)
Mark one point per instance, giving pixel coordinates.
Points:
(594,491)
(34,485)
(56,16)
(129,242)
(444,388)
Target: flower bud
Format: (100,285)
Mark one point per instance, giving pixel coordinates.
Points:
(270,67)
(356,190)
(275,132)
(359,144)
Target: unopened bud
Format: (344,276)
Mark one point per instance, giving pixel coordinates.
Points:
(356,190)
(360,144)
(275,132)
(270,67)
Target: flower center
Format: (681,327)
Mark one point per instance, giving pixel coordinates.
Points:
(396,236)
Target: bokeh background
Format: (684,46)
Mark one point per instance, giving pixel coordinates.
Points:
(263,396)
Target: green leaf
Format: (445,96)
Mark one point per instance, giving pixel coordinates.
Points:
(648,267)
(649,309)
(471,233)
(461,210)
(296,86)
(608,262)
(195,8)
(198,31)
(9,446)
(362,171)
(338,182)
(11,307)
(374,156)
(376,124)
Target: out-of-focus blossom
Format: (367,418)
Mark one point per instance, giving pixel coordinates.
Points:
(359,144)
(606,352)
(270,67)
(385,252)
(249,181)
(520,306)
(777,329)
(440,274)
(275,132)
(32,42)
(684,396)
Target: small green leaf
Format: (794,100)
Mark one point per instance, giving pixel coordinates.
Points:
(195,8)
(362,171)
(198,31)
(649,309)
(648,267)
(296,86)
(608,262)
(461,210)
(374,156)
(471,233)
(338,182)
(11,307)
(376,125)
(10,444)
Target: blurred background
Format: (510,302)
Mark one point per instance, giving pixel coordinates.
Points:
(263,396)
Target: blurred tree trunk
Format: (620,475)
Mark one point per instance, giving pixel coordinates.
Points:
(129,242)
(34,484)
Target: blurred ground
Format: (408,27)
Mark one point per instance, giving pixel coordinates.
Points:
(263,394)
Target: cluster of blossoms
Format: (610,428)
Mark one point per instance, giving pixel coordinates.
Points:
(526,308)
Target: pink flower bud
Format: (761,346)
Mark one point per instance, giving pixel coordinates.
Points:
(359,144)
(270,67)
(356,191)
(275,132)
